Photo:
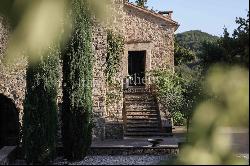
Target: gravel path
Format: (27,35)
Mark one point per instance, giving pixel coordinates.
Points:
(120,160)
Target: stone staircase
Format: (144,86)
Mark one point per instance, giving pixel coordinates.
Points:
(141,114)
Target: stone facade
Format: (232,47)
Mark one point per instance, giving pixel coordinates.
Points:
(143,30)
(12,77)
(146,31)
(99,81)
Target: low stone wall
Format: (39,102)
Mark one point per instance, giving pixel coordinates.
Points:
(134,151)
(114,130)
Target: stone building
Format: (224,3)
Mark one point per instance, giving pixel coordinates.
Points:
(149,45)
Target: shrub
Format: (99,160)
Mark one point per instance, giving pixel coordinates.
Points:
(40,108)
(169,90)
(179,91)
(179,119)
(77,85)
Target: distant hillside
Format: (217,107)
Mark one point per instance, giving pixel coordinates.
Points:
(194,39)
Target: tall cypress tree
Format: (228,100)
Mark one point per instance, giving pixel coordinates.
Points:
(77,85)
(40,108)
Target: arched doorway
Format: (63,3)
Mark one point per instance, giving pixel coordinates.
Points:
(9,122)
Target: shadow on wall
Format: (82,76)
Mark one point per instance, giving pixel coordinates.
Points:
(9,122)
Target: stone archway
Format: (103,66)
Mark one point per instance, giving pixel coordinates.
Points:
(9,122)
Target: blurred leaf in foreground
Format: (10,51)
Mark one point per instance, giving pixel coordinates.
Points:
(36,25)
(229,107)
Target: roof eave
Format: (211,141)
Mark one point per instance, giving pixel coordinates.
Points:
(169,20)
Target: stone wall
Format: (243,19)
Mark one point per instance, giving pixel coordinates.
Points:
(143,27)
(4,33)
(12,76)
(115,104)
(99,80)
(114,130)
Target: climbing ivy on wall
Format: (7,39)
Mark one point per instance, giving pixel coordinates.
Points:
(77,84)
(115,51)
(114,55)
(40,108)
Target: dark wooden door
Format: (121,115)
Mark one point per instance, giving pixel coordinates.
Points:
(136,67)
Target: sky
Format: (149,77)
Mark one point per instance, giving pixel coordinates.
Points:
(206,15)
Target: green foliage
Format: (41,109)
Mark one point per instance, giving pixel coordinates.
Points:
(169,90)
(211,53)
(179,91)
(229,49)
(182,55)
(193,40)
(141,3)
(193,86)
(77,85)
(114,55)
(179,119)
(209,145)
(113,61)
(40,108)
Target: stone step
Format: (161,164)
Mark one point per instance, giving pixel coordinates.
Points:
(138,130)
(146,95)
(141,107)
(142,116)
(142,122)
(142,111)
(138,97)
(147,134)
(156,125)
(142,119)
(137,91)
(137,113)
(138,100)
(142,104)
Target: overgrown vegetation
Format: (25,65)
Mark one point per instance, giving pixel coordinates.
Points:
(77,85)
(114,55)
(179,91)
(115,51)
(40,108)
